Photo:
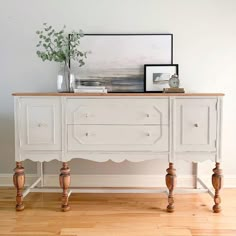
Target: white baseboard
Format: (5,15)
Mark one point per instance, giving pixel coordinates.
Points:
(118,181)
(6,180)
(142,181)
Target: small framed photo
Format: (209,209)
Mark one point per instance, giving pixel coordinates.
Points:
(156,76)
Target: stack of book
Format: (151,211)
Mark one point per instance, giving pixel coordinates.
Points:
(173,90)
(90,89)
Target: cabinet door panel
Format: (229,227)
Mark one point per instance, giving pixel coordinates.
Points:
(40,124)
(196,124)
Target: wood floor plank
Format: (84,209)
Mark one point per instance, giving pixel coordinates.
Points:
(117,214)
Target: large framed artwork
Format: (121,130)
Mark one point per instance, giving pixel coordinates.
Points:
(116,61)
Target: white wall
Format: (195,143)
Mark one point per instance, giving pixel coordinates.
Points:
(204,47)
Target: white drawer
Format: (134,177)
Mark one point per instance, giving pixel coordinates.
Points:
(117,111)
(117,138)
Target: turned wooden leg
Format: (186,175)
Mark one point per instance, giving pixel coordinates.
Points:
(65,183)
(217,179)
(19,181)
(170,183)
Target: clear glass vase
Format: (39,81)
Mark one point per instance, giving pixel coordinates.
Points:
(65,79)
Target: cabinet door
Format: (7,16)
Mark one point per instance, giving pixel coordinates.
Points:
(39,122)
(195,124)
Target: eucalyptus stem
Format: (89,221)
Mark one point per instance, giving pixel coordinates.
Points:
(58,46)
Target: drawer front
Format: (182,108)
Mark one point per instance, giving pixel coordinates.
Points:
(117,138)
(39,124)
(117,111)
(196,124)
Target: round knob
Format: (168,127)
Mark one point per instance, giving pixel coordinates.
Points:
(87,134)
(147,115)
(42,125)
(148,134)
(86,115)
(196,125)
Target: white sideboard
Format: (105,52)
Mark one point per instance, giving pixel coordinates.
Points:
(134,127)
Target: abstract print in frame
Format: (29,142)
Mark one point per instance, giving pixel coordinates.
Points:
(116,60)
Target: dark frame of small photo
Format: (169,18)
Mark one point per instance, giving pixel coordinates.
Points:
(156,76)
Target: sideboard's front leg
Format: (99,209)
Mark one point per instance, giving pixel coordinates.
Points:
(19,181)
(170,183)
(65,183)
(217,179)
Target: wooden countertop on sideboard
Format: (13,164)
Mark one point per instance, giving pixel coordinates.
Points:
(118,94)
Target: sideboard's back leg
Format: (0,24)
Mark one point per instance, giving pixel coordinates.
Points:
(170,183)
(65,183)
(19,181)
(217,179)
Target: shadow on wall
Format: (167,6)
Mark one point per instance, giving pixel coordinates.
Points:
(7,147)
(149,167)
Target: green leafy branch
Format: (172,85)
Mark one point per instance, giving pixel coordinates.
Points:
(58,46)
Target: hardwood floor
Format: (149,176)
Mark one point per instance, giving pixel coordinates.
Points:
(117,215)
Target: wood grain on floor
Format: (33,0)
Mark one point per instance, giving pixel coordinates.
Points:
(117,215)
